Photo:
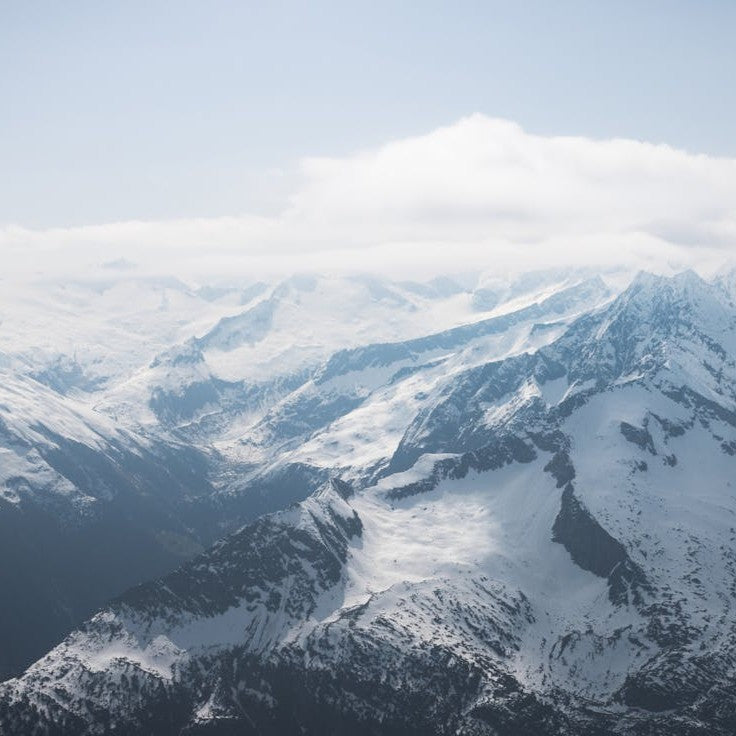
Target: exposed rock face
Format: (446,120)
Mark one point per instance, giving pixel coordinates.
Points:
(639,436)
(588,543)
(594,549)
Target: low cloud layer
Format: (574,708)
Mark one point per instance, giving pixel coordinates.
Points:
(479,194)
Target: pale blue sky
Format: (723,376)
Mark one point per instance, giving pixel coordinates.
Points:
(124,110)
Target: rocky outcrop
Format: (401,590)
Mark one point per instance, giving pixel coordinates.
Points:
(595,550)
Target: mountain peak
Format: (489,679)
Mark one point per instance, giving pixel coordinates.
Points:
(683,280)
(686,293)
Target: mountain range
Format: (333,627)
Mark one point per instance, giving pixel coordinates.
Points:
(333,505)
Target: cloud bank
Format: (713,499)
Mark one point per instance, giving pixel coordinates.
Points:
(479,194)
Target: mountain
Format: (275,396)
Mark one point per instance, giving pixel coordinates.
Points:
(521,525)
(87,509)
(147,418)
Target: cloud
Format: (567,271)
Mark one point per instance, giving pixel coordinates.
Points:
(481,193)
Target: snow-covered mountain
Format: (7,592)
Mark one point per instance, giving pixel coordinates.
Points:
(142,418)
(520,521)
(87,508)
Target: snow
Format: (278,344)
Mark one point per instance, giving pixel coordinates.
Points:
(158,657)
(370,433)
(29,412)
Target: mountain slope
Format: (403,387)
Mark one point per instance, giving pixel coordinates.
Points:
(549,550)
(86,510)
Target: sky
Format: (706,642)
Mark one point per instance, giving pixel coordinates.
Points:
(252,128)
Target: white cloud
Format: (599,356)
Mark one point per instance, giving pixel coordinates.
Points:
(477,194)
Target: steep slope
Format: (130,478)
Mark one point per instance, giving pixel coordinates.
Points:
(350,413)
(549,550)
(86,510)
